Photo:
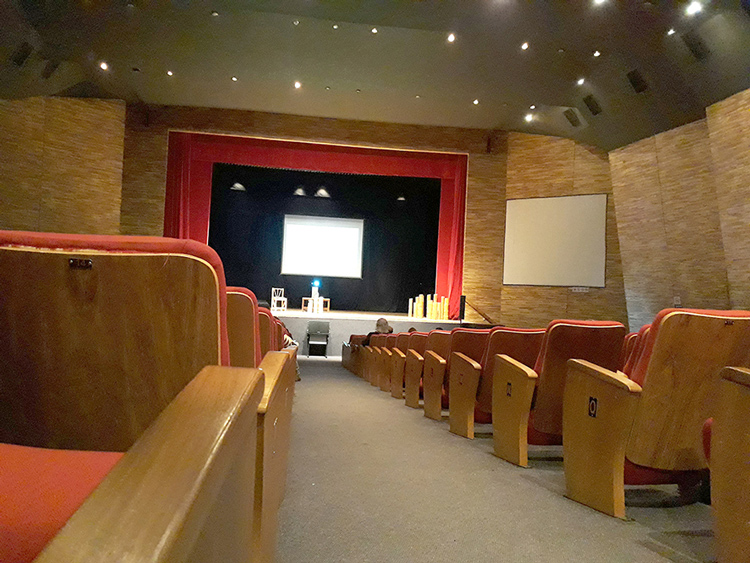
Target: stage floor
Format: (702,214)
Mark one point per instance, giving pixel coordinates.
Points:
(345,323)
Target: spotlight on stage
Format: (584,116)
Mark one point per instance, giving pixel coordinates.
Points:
(316,283)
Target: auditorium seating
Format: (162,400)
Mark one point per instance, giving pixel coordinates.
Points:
(637,349)
(377,343)
(730,471)
(471,382)
(267,330)
(471,343)
(384,369)
(398,360)
(413,367)
(627,348)
(274,412)
(527,403)
(98,336)
(647,429)
(351,353)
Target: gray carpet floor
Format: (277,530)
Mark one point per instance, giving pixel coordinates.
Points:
(371,480)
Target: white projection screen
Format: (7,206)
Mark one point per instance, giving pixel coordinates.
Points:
(558,241)
(322,246)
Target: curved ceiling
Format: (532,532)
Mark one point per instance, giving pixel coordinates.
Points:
(406,72)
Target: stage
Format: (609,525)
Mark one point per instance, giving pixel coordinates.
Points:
(345,323)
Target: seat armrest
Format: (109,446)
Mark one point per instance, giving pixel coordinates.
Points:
(464,382)
(185,490)
(512,391)
(413,367)
(398,361)
(432,382)
(598,411)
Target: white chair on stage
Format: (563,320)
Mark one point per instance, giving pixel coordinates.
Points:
(278,301)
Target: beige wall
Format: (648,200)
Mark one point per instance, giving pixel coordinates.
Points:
(668,219)
(61,164)
(729,134)
(540,166)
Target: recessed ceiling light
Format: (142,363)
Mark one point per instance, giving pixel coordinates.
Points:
(532,107)
(525,46)
(561,51)
(581,81)
(170,73)
(335,26)
(597,53)
(597,2)
(374,30)
(671,32)
(417,96)
(400,198)
(234,79)
(693,8)
(296,22)
(529,117)
(131,4)
(476,102)
(451,38)
(298,85)
(136,69)
(103,66)
(358,90)
(328,87)
(214,13)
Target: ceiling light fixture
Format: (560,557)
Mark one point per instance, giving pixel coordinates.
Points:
(234,79)
(335,26)
(529,117)
(322,192)
(298,85)
(693,8)
(671,31)
(170,73)
(358,90)
(300,191)
(581,81)
(296,22)
(597,2)
(476,102)
(532,107)
(374,30)
(597,53)
(214,13)
(103,66)
(525,46)
(451,38)
(400,198)
(328,87)
(417,96)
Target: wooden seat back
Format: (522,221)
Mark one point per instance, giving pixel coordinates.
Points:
(279,328)
(439,342)
(402,341)
(390,341)
(599,342)
(242,326)
(679,371)
(378,340)
(99,333)
(635,353)
(417,342)
(522,344)
(267,331)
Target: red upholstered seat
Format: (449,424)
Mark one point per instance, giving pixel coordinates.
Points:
(637,349)
(706,434)
(40,489)
(627,347)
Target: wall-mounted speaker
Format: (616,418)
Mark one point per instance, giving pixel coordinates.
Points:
(593,105)
(22,52)
(572,117)
(697,46)
(637,81)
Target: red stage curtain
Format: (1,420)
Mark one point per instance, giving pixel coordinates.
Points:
(190,167)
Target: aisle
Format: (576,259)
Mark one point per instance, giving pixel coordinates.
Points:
(371,480)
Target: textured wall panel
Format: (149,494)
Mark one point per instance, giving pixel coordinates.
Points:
(669,224)
(729,131)
(61,164)
(540,166)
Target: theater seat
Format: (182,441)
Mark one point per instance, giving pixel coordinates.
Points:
(351,354)
(730,471)
(471,381)
(243,327)
(267,330)
(398,362)
(413,364)
(646,429)
(470,343)
(527,403)
(384,368)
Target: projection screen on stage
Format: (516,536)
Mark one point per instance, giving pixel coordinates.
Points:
(322,246)
(556,241)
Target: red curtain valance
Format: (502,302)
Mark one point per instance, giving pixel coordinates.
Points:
(190,168)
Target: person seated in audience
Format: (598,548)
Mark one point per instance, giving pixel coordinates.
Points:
(381,327)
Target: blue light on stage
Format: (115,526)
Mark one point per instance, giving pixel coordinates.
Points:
(316,283)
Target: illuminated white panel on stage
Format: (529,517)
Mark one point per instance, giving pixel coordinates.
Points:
(559,241)
(322,246)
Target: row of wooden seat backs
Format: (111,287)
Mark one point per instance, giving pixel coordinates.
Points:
(78,328)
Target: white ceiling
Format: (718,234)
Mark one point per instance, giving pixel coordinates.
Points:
(407,72)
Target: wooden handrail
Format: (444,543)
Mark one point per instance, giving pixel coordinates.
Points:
(481,313)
